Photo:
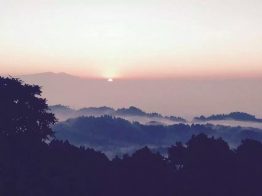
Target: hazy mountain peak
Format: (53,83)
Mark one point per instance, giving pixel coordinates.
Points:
(48,74)
(131,113)
(132,110)
(238,116)
(60,107)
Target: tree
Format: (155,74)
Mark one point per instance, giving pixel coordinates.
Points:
(177,155)
(22,111)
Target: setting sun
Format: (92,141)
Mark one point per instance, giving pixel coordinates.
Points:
(129,40)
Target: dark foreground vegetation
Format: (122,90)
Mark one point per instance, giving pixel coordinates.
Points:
(204,166)
(33,163)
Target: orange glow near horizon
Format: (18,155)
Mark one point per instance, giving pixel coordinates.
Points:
(134,39)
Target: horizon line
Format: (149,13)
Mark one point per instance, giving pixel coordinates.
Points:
(176,77)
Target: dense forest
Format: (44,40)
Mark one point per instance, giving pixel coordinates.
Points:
(202,166)
(116,136)
(33,162)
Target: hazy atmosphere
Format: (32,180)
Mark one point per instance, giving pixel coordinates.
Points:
(130,97)
(184,97)
(187,57)
(132,39)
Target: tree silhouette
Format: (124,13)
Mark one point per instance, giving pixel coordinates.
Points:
(22,111)
(177,155)
(203,166)
(249,167)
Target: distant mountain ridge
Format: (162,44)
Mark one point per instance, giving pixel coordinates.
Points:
(133,111)
(237,116)
(163,95)
(112,134)
(96,111)
(47,75)
(64,112)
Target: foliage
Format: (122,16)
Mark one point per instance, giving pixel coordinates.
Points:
(203,166)
(23,111)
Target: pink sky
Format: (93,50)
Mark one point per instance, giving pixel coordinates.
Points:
(132,39)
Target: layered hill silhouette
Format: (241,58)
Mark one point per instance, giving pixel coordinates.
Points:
(119,131)
(115,135)
(35,162)
(132,114)
(237,116)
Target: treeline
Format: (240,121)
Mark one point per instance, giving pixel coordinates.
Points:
(107,133)
(238,116)
(64,112)
(202,166)
(33,163)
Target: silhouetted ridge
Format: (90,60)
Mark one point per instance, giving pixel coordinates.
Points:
(116,135)
(238,116)
(64,113)
(60,108)
(96,111)
(176,119)
(130,111)
(49,75)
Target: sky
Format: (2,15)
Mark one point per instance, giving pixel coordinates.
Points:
(180,97)
(131,38)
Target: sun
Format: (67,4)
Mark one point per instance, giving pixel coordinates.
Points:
(110,73)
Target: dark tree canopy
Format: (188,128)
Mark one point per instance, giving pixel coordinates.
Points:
(22,111)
